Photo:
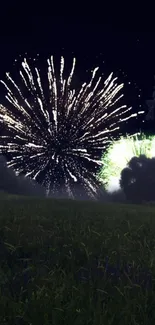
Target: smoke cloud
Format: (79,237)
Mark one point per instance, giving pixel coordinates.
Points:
(12,184)
(18,185)
(137,182)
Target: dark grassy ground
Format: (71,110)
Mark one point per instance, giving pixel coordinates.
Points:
(78,263)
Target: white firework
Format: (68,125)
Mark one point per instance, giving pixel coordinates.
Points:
(55,134)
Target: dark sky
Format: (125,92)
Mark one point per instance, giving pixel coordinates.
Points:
(130,55)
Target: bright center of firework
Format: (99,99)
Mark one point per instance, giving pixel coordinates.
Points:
(119,154)
(54,133)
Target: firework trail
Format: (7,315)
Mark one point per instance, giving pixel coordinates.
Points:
(55,134)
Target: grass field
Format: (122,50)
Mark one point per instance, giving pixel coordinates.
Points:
(78,263)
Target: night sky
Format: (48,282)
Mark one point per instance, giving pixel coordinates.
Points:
(130,55)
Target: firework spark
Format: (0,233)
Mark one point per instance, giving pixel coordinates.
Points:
(55,133)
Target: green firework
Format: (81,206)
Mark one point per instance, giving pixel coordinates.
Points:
(119,154)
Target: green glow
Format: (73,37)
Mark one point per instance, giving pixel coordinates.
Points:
(119,154)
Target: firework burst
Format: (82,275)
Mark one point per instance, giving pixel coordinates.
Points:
(55,134)
(118,155)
